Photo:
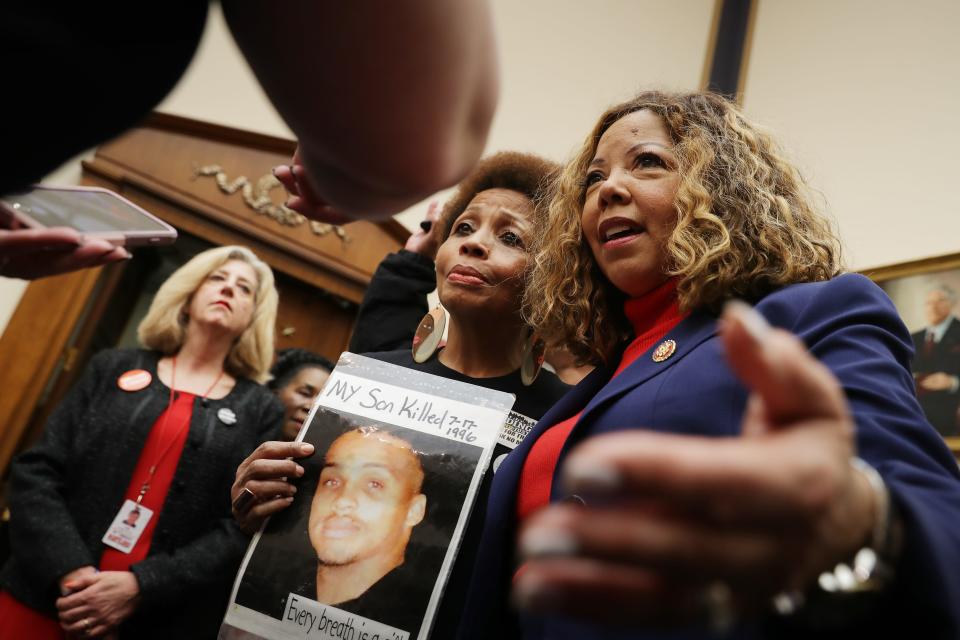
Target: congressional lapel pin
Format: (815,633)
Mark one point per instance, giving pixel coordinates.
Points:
(134,380)
(227,416)
(664,350)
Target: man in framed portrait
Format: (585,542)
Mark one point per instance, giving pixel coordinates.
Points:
(936,364)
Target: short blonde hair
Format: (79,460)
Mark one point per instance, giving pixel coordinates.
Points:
(747,224)
(164,327)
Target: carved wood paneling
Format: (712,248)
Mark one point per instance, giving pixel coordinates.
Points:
(321,278)
(162,162)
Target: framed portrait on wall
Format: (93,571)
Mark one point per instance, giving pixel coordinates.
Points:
(927,295)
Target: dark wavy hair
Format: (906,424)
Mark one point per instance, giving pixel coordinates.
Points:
(290,362)
(524,173)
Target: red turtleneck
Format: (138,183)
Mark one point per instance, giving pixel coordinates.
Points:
(652,315)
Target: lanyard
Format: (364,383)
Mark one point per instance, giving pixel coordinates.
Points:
(163,427)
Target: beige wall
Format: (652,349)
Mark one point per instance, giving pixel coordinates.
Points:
(562,62)
(10,292)
(219,86)
(866,95)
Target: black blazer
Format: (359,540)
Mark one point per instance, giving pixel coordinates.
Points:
(66,490)
(394,304)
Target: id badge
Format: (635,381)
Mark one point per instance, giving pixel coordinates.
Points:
(127,526)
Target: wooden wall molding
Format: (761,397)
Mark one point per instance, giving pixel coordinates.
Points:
(222,226)
(159,159)
(153,165)
(220,133)
(33,345)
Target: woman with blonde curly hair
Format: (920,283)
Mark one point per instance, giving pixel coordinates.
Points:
(759,472)
(120,522)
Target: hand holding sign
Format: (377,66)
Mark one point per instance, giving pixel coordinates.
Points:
(261,488)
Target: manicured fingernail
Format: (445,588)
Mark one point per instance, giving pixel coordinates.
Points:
(299,471)
(293,489)
(126,254)
(306,448)
(289,499)
(754,323)
(530,592)
(583,476)
(543,541)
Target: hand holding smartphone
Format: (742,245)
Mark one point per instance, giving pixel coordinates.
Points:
(91,211)
(52,230)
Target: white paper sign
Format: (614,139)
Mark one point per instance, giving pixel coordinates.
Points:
(366,548)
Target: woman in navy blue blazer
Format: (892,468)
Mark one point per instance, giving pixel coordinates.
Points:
(749,472)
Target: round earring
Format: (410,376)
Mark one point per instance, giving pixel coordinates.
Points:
(534,353)
(429,333)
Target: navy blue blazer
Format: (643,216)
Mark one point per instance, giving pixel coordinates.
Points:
(851,326)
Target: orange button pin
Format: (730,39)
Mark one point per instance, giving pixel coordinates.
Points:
(134,380)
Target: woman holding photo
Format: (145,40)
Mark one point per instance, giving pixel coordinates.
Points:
(481,266)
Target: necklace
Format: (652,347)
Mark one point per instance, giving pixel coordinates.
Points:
(163,426)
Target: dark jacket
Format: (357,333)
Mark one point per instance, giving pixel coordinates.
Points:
(854,330)
(394,303)
(66,490)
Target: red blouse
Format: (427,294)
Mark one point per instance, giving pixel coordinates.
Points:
(652,316)
(163,448)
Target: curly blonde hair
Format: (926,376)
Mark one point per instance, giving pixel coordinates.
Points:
(164,327)
(747,223)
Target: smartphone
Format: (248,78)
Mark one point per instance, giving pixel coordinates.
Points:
(90,210)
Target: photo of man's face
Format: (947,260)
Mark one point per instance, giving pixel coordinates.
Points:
(367,499)
(132,518)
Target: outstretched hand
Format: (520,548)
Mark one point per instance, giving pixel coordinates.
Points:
(36,253)
(670,518)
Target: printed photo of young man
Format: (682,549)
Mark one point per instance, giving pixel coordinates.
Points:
(369,527)
(366,504)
